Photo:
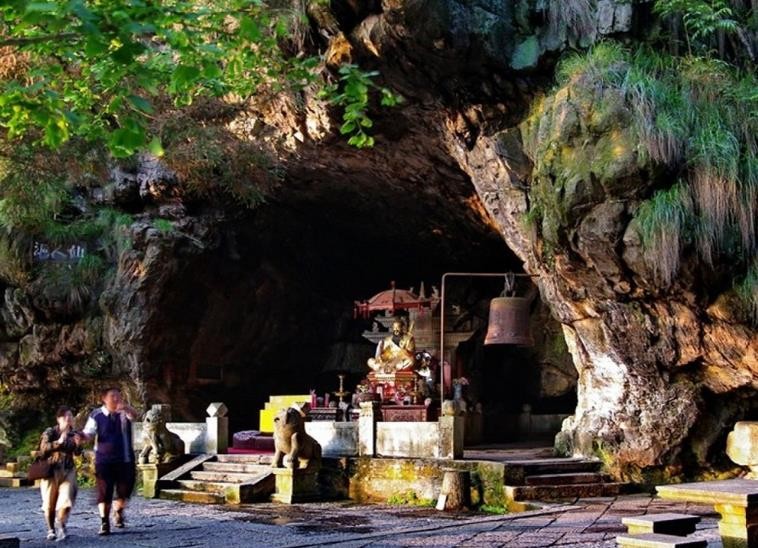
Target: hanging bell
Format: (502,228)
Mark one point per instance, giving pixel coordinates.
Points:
(509,322)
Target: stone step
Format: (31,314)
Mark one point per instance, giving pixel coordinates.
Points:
(245,459)
(201,497)
(516,471)
(656,540)
(218,487)
(238,467)
(232,477)
(15,482)
(558,492)
(565,479)
(665,524)
(10,542)
(258,488)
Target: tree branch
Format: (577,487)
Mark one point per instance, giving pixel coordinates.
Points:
(36,39)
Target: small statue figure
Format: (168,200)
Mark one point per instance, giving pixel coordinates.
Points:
(395,352)
(293,447)
(425,386)
(159,445)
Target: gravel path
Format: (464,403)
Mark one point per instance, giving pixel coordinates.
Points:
(167,524)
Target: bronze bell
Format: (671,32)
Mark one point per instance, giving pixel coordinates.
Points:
(509,322)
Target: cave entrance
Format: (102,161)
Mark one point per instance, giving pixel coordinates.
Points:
(269,310)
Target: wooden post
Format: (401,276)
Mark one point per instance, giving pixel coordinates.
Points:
(456,490)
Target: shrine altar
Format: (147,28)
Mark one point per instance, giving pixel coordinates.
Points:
(408,413)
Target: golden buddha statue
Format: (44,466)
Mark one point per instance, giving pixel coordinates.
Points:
(396,352)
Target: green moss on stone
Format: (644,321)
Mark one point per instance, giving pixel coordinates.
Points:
(526,54)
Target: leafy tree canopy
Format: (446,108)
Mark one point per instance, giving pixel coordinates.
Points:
(95,68)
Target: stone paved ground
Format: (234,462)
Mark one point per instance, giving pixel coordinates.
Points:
(165,524)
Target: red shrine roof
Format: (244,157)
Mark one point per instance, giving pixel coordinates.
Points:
(391,299)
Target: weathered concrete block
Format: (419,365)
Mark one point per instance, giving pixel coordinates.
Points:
(294,486)
(409,439)
(665,524)
(151,473)
(337,439)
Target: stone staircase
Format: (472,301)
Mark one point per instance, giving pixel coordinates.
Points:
(220,479)
(557,479)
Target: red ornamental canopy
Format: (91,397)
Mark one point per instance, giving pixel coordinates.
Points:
(392,299)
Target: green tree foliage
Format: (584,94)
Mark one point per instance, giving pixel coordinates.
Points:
(352,93)
(709,24)
(95,69)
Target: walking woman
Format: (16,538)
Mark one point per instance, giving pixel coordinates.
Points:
(59,445)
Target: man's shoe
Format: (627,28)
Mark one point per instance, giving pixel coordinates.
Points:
(105,528)
(50,534)
(119,519)
(60,532)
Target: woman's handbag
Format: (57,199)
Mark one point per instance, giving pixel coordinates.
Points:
(41,468)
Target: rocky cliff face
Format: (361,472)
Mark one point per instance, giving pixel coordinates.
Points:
(481,139)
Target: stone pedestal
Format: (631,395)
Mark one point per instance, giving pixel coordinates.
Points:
(151,473)
(738,525)
(217,428)
(293,486)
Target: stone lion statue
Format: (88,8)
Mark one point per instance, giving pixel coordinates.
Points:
(292,446)
(158,444)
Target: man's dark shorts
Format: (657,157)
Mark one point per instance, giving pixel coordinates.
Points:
(119,476)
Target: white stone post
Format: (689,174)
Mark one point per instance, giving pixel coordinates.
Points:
(217,434)
(451,437)
(369,414)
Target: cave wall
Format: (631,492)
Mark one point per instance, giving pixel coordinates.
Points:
(448,181)
(637,349)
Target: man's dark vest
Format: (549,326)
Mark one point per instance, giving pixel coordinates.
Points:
(110,438)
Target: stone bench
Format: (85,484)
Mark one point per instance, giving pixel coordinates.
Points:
(656,540)
(736,500)
(679,525)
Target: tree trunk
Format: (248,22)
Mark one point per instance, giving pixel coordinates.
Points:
(456,490)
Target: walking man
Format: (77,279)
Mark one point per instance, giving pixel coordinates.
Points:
(111,426)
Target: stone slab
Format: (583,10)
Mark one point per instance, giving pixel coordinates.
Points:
(187,467)
(666,524)
(737,492)
(655,540)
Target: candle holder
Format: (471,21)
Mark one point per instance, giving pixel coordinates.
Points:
(341,393)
